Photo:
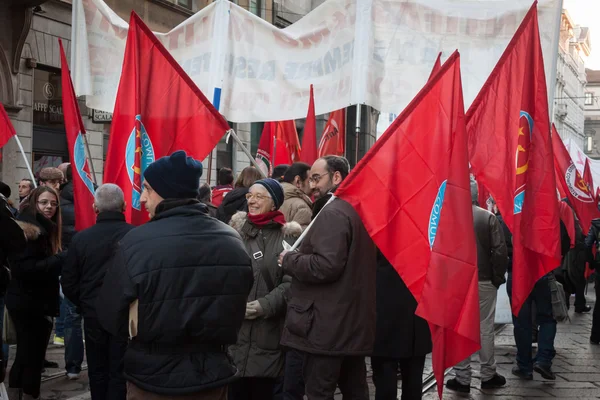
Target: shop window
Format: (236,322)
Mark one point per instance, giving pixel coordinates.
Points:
(47,98)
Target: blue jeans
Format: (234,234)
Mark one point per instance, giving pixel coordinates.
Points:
(60,321)
(73,338)
(4,345)
(541,296)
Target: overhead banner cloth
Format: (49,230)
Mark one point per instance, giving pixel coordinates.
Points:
(373,52)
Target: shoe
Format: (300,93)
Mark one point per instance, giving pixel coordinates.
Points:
(72,377)
(50,364)
(592,341)
(544,371)
(29,397)
(13,393)
(453,384)
(59,341)
(584,309)
(495,382)
(522,374)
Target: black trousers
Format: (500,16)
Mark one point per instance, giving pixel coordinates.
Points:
(596,316)
(322,374)
(293,383)
(105,362)
(33,333)
(251,389)
(385,378)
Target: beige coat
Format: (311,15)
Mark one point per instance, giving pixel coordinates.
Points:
(297,206)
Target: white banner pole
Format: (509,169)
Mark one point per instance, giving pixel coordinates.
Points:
(26,161)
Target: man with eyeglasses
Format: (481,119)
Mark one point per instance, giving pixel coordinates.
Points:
(331,311)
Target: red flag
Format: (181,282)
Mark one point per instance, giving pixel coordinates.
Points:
(412,192)
(7,130)
(309,140)
(573,184)
(568,218)
(83,184)
(278,145)
(437,65)
(158,111)
(333,140)
(559,186)
(598,194)
(587,176)
(511,155)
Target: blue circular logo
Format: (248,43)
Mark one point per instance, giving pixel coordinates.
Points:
(81,164)
(139,153)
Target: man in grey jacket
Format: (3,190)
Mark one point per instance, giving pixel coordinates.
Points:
(492,261)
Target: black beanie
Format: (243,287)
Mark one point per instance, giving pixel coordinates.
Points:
(275,190)
(175,177)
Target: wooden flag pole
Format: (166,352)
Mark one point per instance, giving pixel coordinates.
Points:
(25,158)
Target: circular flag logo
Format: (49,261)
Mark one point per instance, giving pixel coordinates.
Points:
(577,186)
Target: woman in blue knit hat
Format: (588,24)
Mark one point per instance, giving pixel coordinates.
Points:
(257,354)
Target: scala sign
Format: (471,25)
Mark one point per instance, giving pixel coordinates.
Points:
(101,117)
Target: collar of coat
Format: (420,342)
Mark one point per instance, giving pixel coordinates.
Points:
(240,223)
(290,191)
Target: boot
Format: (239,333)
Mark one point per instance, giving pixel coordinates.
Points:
(29,397)
(13,393)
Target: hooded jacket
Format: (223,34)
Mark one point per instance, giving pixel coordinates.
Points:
(257,352)
(296,206)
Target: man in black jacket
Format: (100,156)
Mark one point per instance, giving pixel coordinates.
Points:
(183,279)
(89,256)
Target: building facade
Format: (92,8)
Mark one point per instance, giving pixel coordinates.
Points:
(574,48)
(30,82)
(592,114)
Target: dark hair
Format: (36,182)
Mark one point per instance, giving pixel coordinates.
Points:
(297,169)
(279,171)
(247,177)
(225,176)
(337,164)
(204,193)
(69,173)
(30,183)
(32,209)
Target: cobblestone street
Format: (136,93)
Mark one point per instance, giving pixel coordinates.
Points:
(577,366)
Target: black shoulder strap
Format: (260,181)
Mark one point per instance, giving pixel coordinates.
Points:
(259,257)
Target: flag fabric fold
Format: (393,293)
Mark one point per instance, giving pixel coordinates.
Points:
(412,192)
(511,155)
(333,140)
(158,111)
(279,144)
(437,65)
(7,130)
(573,184)
(83,183)
(309,152)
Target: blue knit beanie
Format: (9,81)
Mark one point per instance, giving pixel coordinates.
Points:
(275,190)
(175,177)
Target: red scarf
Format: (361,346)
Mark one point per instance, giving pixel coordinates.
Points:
(261,220)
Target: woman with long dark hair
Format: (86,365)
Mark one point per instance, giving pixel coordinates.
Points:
(33,293)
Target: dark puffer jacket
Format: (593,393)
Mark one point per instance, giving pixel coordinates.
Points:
(67,208)
(191,276)
(234,201)
(257,352)
(34,285)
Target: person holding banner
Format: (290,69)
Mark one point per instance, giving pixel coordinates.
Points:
(331,311)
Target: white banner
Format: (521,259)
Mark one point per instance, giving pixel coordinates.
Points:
(375,52)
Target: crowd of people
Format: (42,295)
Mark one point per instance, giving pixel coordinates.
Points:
(204,301)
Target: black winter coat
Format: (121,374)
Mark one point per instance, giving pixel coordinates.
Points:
(191,275)
(67,208)
(233,202)
(399,333)
(90,255)
(34,287)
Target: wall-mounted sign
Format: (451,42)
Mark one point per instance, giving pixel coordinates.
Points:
(47,99)
(101,117)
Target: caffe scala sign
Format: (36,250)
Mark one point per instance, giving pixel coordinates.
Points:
(101,117)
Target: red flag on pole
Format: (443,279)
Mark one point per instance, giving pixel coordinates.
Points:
(412,192)
(158,111)
(309,141)
(587,177)
(333,140)
(573,185)
(511,154)
(7,130)
(83,184)
(279,144)
(437,65)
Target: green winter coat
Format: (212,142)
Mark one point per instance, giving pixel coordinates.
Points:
(257,352)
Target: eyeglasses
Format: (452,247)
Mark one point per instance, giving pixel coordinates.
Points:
(258,197)
(45,203)
(316,178)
